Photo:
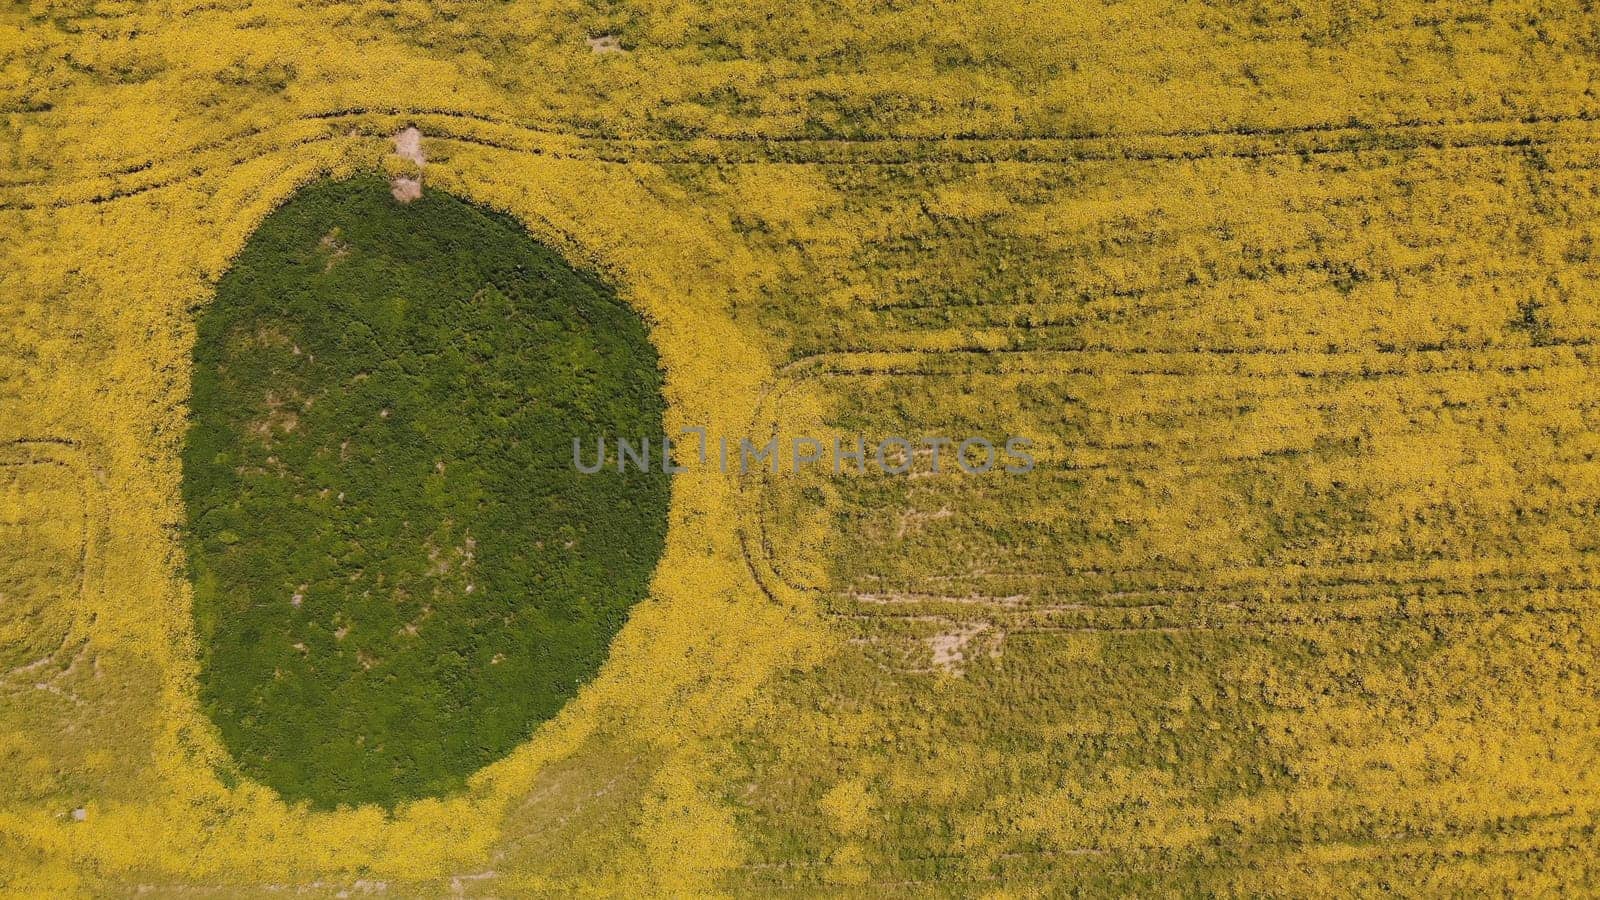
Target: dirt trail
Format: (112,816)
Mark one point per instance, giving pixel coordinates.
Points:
(408,145)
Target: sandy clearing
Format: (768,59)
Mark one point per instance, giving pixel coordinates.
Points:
(408,145)
(950,647)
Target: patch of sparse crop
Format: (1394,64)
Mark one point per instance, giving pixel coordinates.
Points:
(398,572)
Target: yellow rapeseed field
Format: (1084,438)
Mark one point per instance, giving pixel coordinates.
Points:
(1298,303)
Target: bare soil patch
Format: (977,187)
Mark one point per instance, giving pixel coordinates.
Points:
(408,145)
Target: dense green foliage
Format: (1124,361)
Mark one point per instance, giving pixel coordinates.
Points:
(398,571)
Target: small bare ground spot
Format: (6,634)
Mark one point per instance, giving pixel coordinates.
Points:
(605,43)
(282,416)
(408,146)
(405,189)
(336,250)
(952,649)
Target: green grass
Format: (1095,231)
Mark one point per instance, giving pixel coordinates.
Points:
(398,571)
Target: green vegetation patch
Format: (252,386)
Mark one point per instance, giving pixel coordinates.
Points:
(398,570)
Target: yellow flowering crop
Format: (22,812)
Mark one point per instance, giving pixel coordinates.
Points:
(1297,305)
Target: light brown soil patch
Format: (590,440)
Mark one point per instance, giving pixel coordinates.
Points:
(950,647)
(405,189)
(408,145)
(335,248)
